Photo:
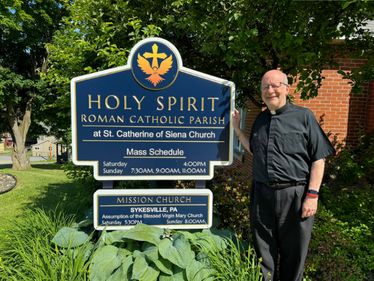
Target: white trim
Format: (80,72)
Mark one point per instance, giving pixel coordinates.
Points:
(155,39)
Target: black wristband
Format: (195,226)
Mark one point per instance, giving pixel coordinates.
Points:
(312,191)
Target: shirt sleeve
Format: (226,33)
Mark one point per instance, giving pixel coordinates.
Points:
(319,146)
(251,134)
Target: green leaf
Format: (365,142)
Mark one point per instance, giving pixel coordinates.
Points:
(123,272)
(164,266)
(85,223)
(347,3)
(209,241)
(142,232)
(151,253)
(68,237)
(88,249)
(188,235)
(114,236)
(137,253)
(203,257)
(177,251)
(123,254)
(105,260)
(196,271)
(142,271)
(342,72)
(179,275)
(140,267)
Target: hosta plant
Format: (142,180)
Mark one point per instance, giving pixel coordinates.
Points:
(146,253)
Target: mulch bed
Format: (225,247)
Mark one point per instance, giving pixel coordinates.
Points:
(7,182)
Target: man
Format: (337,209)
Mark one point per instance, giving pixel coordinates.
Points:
(289,150)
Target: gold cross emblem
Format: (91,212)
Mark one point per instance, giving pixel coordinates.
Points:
(155,71)
(154,56)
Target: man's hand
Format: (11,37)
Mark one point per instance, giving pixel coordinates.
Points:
(236,120)
(309,207)
(236,125)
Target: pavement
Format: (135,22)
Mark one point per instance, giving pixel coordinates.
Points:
(7,160)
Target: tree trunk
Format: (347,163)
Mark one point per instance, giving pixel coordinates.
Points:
(19,132)
(19,158)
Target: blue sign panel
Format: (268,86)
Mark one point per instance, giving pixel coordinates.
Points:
(152,119)
(167,208)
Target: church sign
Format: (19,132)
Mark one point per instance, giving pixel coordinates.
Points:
(152,119)
(117,209)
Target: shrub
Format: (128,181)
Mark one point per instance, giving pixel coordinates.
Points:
(339,251)
(81,174)
(365,155)
(131,184)
(343,168)
(343,243)
(231,200)
(352,165)
(354,205)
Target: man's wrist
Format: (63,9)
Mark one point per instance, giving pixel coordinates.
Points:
(238,132)
(312,193)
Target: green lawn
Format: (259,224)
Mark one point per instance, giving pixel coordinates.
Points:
(44,186)
(7,151)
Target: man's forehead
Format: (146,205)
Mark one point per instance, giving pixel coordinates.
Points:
(272,76)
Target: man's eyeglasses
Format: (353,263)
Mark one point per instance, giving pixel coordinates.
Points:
(273,85)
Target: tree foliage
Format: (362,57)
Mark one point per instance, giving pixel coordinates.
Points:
(97,35)
(25,26)
(237,40)
(240,40)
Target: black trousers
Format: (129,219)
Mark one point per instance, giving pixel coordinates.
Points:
(281,236)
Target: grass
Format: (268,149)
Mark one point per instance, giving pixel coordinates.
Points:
(28,255)
(7,151)
(45,186)
(43,201)
(232,264)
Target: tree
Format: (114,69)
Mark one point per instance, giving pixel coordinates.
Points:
(234,39)
(239,40)
(25,26)
(95,36)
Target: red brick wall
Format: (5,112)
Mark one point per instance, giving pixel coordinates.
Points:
(370,109)
(342,114)
(331,106)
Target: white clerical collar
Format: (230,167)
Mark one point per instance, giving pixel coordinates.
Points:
(279,110)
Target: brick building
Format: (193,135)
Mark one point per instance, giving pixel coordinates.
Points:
(342,114)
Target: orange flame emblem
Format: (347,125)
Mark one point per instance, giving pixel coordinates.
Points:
(155,71)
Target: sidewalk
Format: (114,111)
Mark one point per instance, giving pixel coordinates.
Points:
(7,160)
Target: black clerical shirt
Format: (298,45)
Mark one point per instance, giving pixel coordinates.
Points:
(284,144)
